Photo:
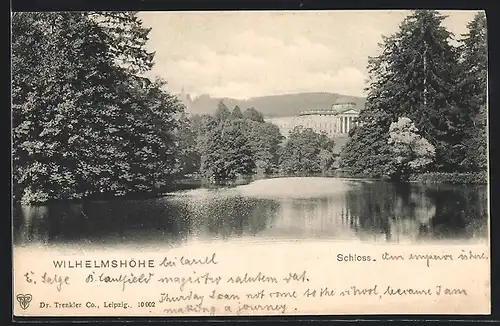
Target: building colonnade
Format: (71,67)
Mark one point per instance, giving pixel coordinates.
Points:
(335,122)
(345,124)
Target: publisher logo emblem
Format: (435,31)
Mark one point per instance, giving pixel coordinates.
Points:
(24,300)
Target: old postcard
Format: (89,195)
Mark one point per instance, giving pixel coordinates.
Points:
(244,163)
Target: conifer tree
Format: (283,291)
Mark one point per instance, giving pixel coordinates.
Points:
(236,113)
(222,113)
(415,76)
(473,88)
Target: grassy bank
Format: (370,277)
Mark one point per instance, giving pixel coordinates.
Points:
(453,177)
(429,177)
(191,182)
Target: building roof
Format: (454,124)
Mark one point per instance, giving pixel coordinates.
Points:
(335,109)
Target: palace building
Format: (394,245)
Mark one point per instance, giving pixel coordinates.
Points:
(338,120)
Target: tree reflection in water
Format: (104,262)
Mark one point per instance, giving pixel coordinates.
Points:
(229,216)
(404,211)
(370,211)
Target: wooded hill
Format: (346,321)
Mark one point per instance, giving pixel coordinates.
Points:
(275,105)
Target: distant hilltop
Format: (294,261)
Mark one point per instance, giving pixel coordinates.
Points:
(273,105)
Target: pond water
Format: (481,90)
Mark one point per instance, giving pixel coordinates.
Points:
(267,210)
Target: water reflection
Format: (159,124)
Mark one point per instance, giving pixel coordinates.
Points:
(366,211)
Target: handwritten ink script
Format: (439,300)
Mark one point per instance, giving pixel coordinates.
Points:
(256,283)
(428,257)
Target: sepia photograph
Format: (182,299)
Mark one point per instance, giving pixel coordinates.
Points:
(226,163)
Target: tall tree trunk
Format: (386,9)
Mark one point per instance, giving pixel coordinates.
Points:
(425,67)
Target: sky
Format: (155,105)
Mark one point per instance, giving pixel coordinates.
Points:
(242,54)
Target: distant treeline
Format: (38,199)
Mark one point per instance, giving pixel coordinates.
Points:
(284,105)
(232,144)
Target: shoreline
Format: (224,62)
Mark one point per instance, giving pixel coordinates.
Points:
(181,184)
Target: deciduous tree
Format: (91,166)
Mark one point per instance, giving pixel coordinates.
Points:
(304,152)
(84,120)
(225,153)
(411,152)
